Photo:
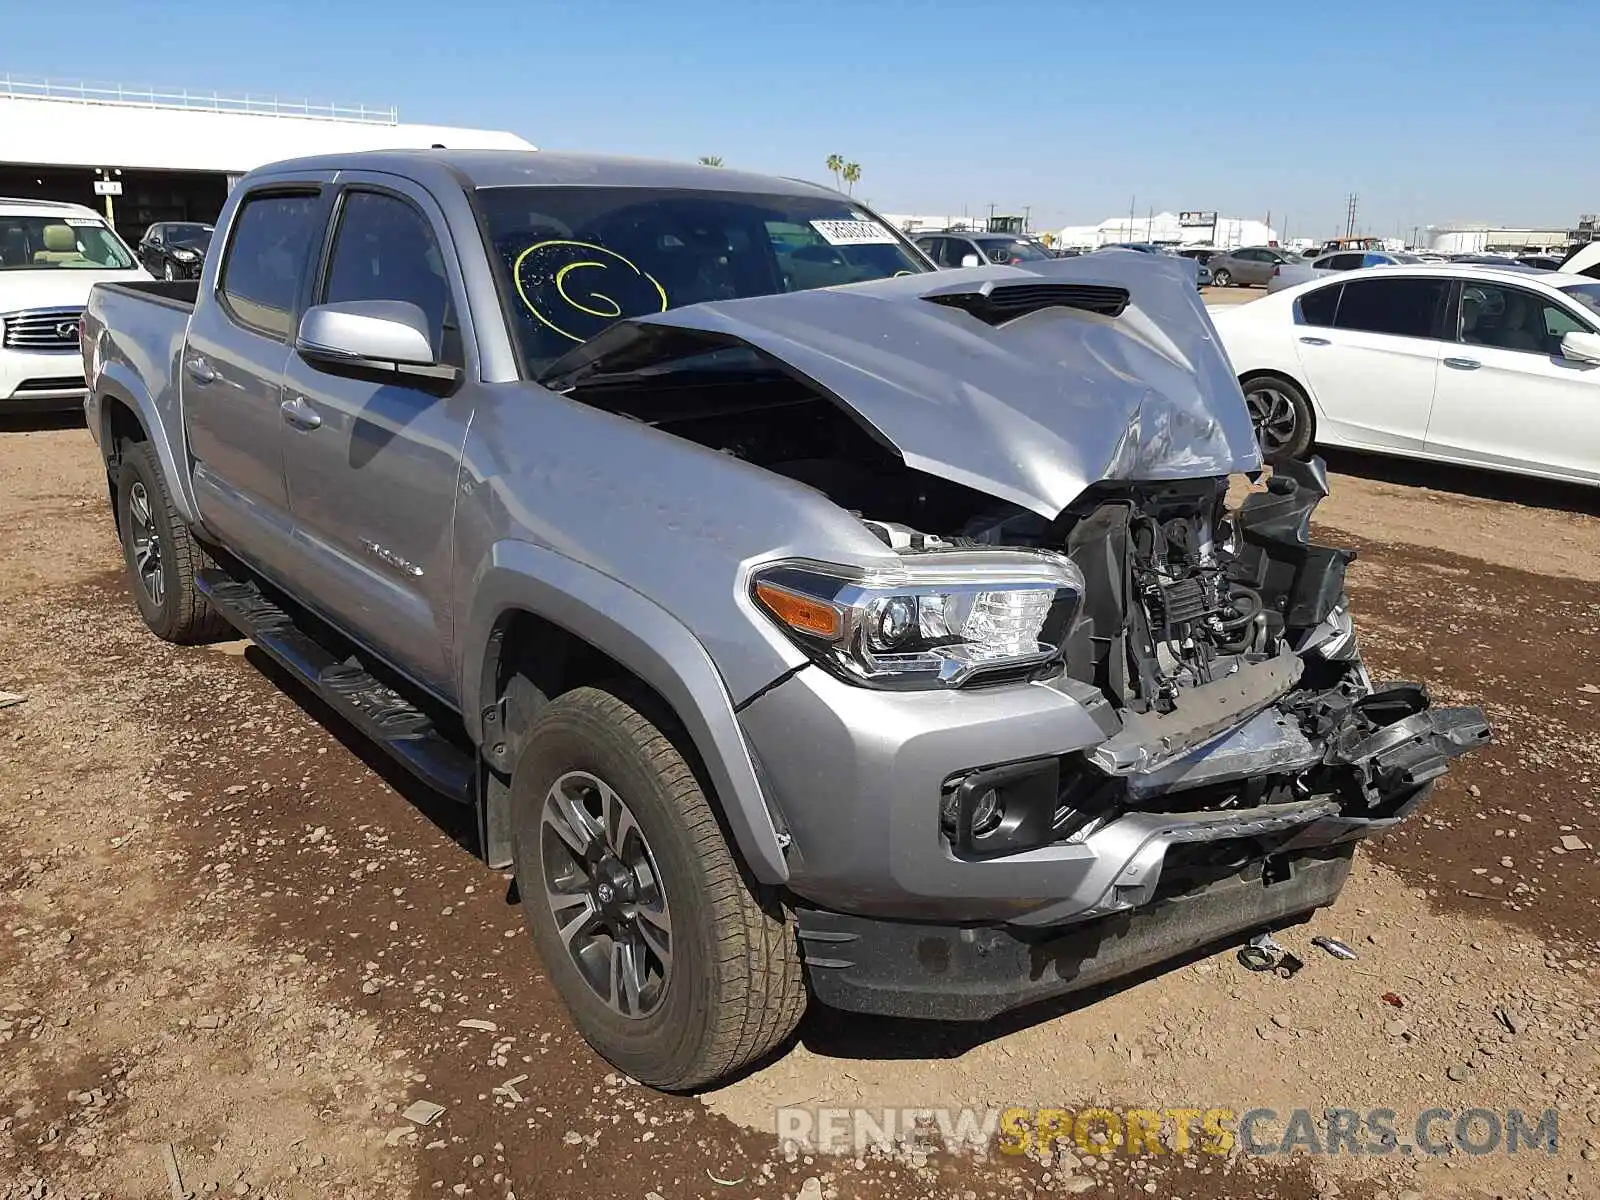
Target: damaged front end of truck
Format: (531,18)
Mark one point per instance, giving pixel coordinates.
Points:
(1078,417)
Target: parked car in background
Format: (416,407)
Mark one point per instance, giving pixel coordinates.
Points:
(1201,254)
(1294,274)
(956,249)
(1462,364)
(1540,262)
(51,254)
(174,249)
(1250,266)
(1202,272)
(887,645)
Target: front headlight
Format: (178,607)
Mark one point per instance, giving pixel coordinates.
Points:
(184,255)
(943,620)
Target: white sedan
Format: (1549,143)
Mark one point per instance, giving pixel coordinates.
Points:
(1462,364)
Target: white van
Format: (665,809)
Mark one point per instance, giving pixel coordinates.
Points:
(51,254)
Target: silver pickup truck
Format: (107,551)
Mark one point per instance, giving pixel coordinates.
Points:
(799,620)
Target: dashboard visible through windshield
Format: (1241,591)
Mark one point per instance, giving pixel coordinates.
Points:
(575,260)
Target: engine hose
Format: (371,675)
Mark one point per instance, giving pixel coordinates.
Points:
(1246,604)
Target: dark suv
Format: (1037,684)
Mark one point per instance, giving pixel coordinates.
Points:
(174,249)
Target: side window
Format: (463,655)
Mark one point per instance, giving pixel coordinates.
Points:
(1318,307)
(1344,262)
(267,255)
(386,250)
(955,249)
(1508,318)
(1558,322)
(930,247)
(1402,307)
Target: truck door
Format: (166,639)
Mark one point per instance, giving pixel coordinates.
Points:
(372,466)
(231,372)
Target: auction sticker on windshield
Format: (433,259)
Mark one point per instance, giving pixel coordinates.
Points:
(84,223)
(853,233)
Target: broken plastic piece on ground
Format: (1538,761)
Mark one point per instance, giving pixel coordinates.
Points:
(1333,946)
(7,699)
(1261,953)
(423,1112)
(1391,999)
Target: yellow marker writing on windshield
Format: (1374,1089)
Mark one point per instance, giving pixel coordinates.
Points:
(622,270)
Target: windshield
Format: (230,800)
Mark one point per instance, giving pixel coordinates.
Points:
(60,243)
(574,260)
(197,237)
(1011,250)
(1586,294)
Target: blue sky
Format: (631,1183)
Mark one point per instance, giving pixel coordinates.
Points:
(1429,111)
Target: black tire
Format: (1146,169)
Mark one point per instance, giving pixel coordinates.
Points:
(735,988)
(161,555)
(1221,278)
(1281,414)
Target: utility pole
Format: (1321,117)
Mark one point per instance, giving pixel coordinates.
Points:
(1131,202)
(1027,217)
(1350,215)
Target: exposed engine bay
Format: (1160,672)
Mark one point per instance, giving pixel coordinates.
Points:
(1194,619)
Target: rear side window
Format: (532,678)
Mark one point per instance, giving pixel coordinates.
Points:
(386,250)
(272,236)
(1318,307)
(1402,307)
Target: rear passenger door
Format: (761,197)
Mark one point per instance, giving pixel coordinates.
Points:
(372,475)
(1373,360)
(232,367)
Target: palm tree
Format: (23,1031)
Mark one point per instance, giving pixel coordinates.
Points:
(711,160)
(836,165)
(852,175)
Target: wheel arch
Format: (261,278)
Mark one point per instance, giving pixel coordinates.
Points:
(557,624)
(125,413)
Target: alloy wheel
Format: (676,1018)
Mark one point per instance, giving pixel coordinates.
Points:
(146,544)
(605,894)
(1272,412)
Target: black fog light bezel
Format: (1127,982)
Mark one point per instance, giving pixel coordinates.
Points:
(1028,798)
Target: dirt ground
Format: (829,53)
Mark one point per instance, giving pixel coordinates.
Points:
(235,946)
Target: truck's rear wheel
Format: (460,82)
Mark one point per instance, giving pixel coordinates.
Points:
(162,557)
(671,965)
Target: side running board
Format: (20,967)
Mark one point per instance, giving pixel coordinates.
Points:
(373,707)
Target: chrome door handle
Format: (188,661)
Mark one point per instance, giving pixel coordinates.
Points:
(1315,341)
(1463,364)
(300,414)
(199,369)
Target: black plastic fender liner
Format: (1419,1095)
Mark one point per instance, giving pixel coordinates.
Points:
(1299,580)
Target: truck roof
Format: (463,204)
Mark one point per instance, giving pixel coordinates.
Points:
(542,168)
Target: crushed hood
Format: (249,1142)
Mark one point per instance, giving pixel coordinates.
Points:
(968,377)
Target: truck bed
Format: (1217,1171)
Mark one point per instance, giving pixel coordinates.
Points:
(133,336)
(172,293)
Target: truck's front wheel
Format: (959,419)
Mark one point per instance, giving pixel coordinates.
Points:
(673,968)
(161,555)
